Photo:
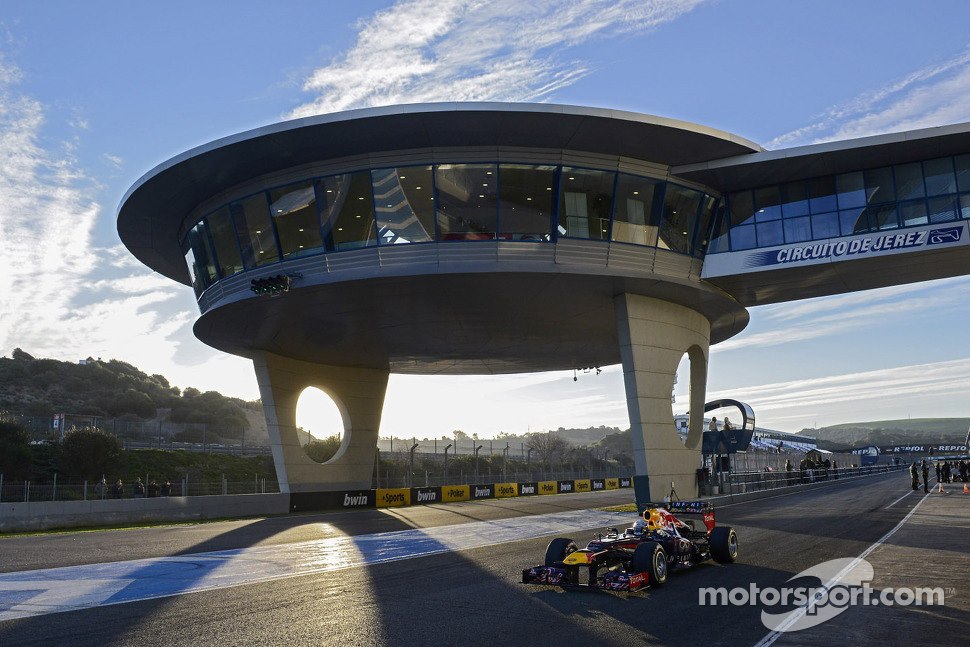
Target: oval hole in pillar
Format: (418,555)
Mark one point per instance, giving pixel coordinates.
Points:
(320,426)
(680,398)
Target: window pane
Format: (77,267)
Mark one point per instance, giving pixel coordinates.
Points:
(943,209)
(586,203)
(526,201)
(198,257)
(825,225)
(939,176)
(913,213)
(853,221)
(347,210)
(879,185)
(467,206)
(851,190)
(637,210)
(770,233)
(254,231)
(794,199)
(224,239)
(821,194)
(767,203)
(679,218)
(965,205)
(741,206)
(704,228)
(742,237)
(883,217)
(797,229)
(404,199)
(909,181)
(962,164)
(719,240)
(294,210)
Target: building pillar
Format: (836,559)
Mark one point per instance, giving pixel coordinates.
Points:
(654,335)
(358,394)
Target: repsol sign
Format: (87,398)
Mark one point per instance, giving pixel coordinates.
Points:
(393,497)
(483,491)
(426,495)
(625,481)
(528,489)
(565,486)
(597,484)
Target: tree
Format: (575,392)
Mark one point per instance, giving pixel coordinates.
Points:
(15,454)
(322,450)
(547,446)
(90,453)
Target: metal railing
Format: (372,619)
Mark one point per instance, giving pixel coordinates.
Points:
(81,490)
(740,482)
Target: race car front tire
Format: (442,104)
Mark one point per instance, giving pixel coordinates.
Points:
(557,550)
(724,544)
(651,558)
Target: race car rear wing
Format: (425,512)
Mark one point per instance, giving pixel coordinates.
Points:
(679,508)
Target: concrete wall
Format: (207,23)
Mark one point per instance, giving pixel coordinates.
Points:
(46,515)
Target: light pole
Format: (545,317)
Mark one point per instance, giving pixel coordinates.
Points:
(411,466)
(505,462)
(528,463)
(476,463)
(446,464)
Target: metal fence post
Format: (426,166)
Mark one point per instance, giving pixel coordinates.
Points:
(54,490)
(1,487)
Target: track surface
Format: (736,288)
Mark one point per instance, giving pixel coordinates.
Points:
(472,597)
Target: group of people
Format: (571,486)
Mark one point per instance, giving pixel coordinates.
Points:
(946,472)
(139,490)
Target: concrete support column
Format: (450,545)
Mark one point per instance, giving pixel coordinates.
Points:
(654,335)
(358,394)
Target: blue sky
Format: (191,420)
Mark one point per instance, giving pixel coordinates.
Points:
(95,94)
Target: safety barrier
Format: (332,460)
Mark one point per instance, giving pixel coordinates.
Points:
(399,497)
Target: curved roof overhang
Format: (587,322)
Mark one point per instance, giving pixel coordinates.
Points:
(152,211)
(749,171)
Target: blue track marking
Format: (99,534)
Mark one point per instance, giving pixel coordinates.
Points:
(32,593)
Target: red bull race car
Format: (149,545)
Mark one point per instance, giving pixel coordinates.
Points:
(658,543)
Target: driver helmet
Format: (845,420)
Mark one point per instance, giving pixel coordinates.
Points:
(639,527)
(653,519)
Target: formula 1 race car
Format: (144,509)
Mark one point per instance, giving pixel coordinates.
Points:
(642,555)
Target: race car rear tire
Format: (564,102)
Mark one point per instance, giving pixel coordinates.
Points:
(724,544)
(557,550)
(651,558)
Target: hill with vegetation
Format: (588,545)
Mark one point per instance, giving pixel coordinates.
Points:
(114,389)
(914,431)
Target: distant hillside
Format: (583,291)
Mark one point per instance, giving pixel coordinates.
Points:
(32,386)
(892,432)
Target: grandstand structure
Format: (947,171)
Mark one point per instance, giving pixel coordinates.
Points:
(492,238)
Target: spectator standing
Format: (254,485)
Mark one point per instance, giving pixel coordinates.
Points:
(938,471)
(713,425)
(118,490)
(926,476)
(139,488)
(152,488)
(167,488)
(914,474)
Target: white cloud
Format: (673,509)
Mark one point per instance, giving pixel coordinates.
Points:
(460,50)
(934,95)
(114,160)
(64,297)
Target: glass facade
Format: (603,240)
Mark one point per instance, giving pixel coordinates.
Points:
(872,200)
(467,202)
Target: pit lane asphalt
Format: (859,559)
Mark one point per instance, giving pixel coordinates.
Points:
(473,597)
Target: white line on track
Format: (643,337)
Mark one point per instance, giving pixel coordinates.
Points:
(772,636)
(898,500)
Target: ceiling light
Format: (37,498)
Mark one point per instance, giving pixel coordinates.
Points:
(329,190)
(340,228)
(279,211)
(485,184)
(361,198)
(480,195)
(301,228)
(572,178)
(488,172)
(401,176)
(528,199)
(636,193)
(418,188)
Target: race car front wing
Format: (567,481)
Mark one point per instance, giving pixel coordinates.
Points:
(608,581)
